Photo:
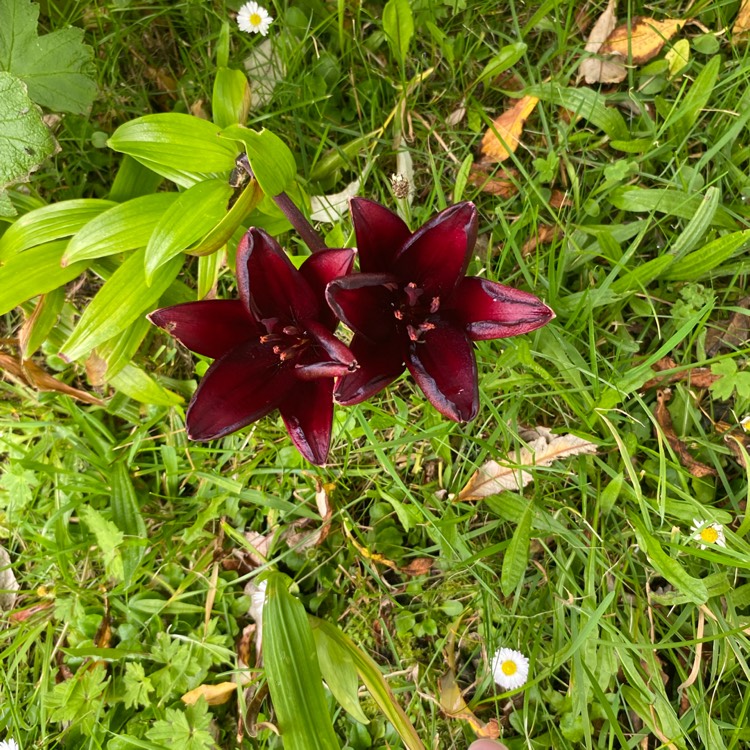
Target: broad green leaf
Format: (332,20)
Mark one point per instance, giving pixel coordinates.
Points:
(516,557)
(191,217)
(25,141)
(700,263)
(293,674)
(35,272)
(666,201)
(374,681)
(126,226)
(340,674)
(508,56)
(7,209)
(685,116)
(272,162)
(140,386)
(133,180)
(230,102)
(126,515)
(177,141)
(56,67)
(398,25)
(122,299)
(585,103)
(50,223)
(247,201)
(667,567)
(44,318)
(208,272)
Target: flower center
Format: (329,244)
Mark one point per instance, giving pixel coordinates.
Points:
(288,342)
(709,535)
(509,667)
(255,19)
(413,310)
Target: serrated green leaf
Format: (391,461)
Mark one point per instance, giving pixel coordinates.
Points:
(34,272)
(119,229)
(293,674)
(122,299)
(230,102)
(179,142)
(50,223)
(191,217)
(398,25)
(55,66)
(585,103)
(516,557)
(700,263)
(25,141)
(272,162)
(108,538)
(140,386)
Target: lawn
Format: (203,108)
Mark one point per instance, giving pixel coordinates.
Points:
(239,568)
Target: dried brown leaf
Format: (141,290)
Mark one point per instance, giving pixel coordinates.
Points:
(738,441)
(698,377)
(419,566)
(732,333)
(543,449)
(502,139)
(493,184)
(454,706)
(642,39)
(215,695)
(597,69)
(664,419)
(296,535)
(742,22)
(558,199)
(544,236)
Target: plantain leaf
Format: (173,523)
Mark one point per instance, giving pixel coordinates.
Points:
(516,556)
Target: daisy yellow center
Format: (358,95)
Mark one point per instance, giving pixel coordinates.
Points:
(255,19)
(509,667)
(709,535)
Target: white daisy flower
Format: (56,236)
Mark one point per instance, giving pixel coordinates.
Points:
(708,533)
(254,19)
(510,668)
(745,423)
(8,745)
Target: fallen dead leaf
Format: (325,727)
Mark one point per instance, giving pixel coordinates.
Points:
(544,236)
(738,441)
(28,372)
(96,369)
(597,69)
(419,566)
(330,208)
(732,333)
(493,184)
(454,706)
(642,39)
(559,199)
(215,695)
(8,583)
(543,449)
(502,139)
(664,419)
(742,22)
(24,614)
(296,535)
(698,377)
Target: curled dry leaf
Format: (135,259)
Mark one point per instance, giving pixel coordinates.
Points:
(738,441)
(730,334)
(742,22)
(642,39)
(8,582)
(296,535)
(454,706)
(664,419)
(543,449)
(559,199)
(698,377)
(544,236)
(215,695)
(498,184)
(502,139)
(330,208)
(595,69)
(419,566)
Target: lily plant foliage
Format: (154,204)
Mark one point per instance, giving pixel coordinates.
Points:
(410,307)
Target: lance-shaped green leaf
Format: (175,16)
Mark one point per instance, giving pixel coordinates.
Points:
(374,681)
(701,263)
(35,272)
(25,141)
(272,162)
(398,25)
(516,557)
(231,97)
(666,201)
(177,141)
(126,515)
(41,322)
(190,218)
(50,223)
(293,674)
(140,386)
(124,227)
(120,349)
(124,297)
(133,180)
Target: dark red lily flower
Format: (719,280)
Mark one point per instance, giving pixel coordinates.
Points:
(412,306)
(273,346)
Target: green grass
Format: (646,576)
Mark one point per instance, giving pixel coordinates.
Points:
(603,605)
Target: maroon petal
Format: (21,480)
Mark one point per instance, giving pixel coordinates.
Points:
(443,364)
(493,311)
(436,257)
(335,349)
(320,269)
(363,301)
(379,364)
(308,414)
(380,235)
(241,387)
(269,285)
(209,327)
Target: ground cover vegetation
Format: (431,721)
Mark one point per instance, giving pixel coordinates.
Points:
(591,516)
